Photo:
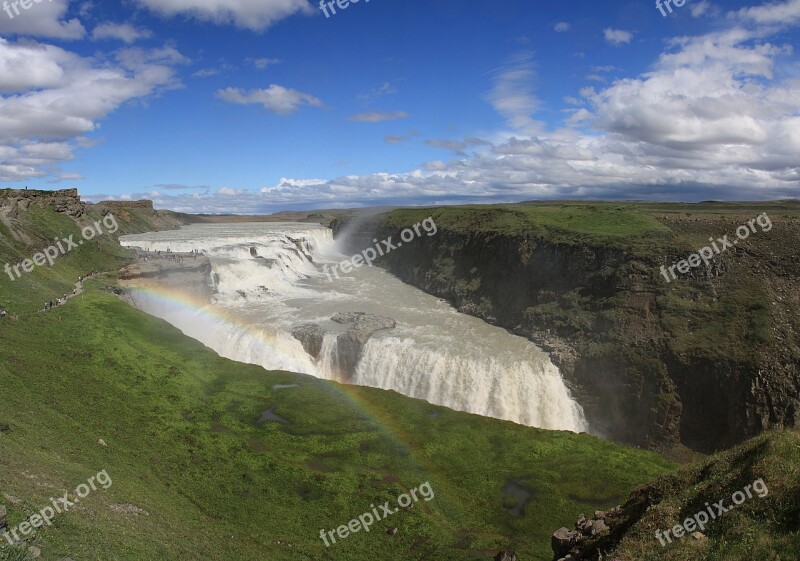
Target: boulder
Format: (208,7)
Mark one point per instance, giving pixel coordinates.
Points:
(598,527)
(563,541)
(505,556)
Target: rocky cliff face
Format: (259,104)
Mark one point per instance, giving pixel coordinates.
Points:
(65,201)
(653,364)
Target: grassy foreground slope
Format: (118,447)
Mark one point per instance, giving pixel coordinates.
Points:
(765,526)
(195,476)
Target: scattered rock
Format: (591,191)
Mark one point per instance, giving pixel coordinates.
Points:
(391,531)
(34,552)
(3,522)
(102,442)
(128,509)
(505,556)
(12,499)
(699,536)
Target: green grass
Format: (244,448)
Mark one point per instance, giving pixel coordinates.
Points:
(575,223)
(765,528)
(183,443)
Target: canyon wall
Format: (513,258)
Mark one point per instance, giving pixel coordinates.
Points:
(653,364)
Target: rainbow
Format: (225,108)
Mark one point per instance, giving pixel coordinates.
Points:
(352,396)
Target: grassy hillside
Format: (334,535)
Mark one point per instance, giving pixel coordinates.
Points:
(196,476)
(765,525)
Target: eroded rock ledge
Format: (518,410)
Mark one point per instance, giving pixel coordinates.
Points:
(350,344)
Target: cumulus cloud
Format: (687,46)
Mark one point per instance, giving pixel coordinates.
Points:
(256,15)
(378,116)
(46,20)
(277,99)
(617,37)
(124,32)
(716,116)
(562,27)
(53,98)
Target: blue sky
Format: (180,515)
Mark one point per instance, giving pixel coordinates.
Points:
(262,105)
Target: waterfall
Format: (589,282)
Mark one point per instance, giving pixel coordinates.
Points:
(267,280)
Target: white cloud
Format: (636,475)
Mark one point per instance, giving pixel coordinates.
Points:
(512,96)
(262,63)
(121,31)
(446,144)
(206,73)
(277,99)
(256,15)
(785,13)
(700,8)
(44,19)
(228,192)
(562,26)
(715,117)
(617,36)
(54,97)
(378,116)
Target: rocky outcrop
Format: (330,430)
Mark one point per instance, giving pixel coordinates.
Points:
(590,535)
(350,344)
(311,336)
(65,201)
